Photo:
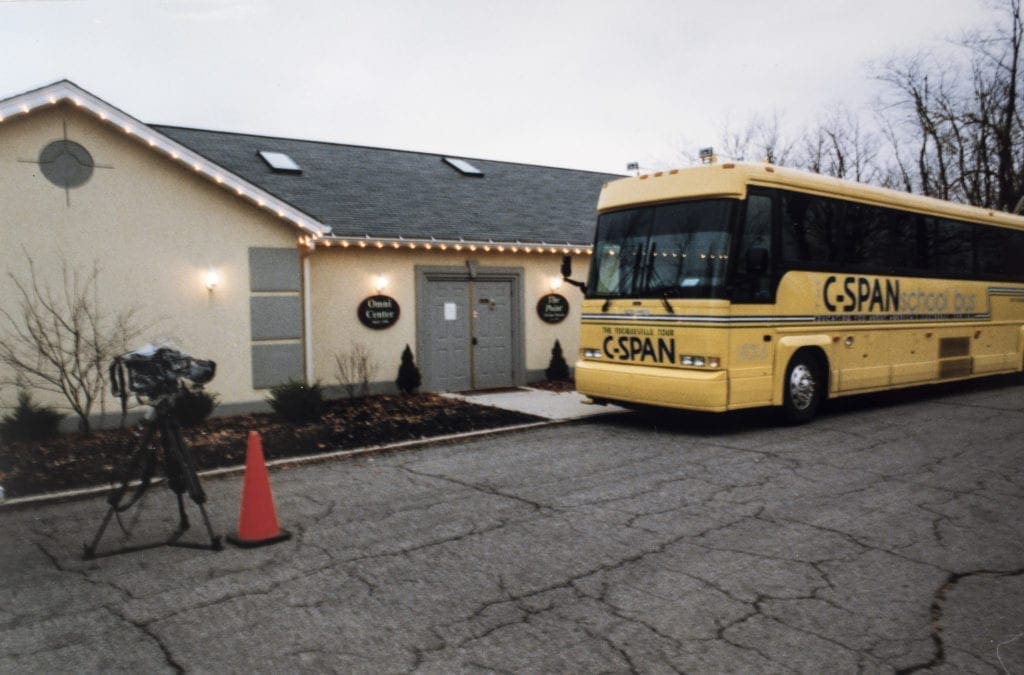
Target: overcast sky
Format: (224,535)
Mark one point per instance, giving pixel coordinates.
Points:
(588,85)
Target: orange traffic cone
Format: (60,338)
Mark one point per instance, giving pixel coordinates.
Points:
(257,520)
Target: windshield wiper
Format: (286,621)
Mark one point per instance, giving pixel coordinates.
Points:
(607,304)
(666,292)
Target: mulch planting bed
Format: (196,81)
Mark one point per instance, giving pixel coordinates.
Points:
(87,460)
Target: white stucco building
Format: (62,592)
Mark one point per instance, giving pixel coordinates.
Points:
(296,235)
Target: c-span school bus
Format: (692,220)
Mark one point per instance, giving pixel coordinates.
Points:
(727,286)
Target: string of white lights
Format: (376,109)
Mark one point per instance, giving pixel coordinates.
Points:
(317,232)
(398,243)
(66,92)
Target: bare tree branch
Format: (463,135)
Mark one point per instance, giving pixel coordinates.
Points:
(60,341)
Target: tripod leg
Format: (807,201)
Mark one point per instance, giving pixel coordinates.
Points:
(90,549)
(188,465)
(142,464)
(187,477)
(143,459)
(215,540)
(182,517)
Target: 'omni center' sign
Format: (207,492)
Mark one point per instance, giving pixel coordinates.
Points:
(378,312)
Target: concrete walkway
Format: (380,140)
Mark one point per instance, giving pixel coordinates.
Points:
(567,405)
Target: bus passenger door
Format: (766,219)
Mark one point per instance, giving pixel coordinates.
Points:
(752,293)
(752,279)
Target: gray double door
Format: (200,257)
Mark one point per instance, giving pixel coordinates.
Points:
(469,334)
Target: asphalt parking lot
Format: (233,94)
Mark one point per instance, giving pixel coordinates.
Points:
(884,536)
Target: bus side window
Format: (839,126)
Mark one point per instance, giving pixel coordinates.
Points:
(753,268)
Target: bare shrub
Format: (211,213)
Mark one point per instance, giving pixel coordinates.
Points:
(355,370)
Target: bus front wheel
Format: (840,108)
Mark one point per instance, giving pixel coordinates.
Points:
(803,388)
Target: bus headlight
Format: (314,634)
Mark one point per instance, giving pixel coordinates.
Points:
(592,354)
(700,361)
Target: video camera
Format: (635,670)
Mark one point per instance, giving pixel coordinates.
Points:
(156,371)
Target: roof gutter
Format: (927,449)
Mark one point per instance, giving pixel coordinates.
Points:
(475,245)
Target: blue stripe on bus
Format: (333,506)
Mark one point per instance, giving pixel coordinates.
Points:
(806,318)
(820,318)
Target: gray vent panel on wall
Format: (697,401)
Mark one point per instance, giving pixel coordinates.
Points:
(274,269)
(276,364)
(275,313)
(275,317)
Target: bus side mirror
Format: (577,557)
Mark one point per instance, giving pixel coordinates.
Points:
(757,260)
(567,272)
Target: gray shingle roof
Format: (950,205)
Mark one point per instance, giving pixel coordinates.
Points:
(385,193)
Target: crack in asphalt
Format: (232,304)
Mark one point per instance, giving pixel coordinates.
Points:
(487,489)
(937,610)
(83,574)
(146,629)
(757,605)
(705,487)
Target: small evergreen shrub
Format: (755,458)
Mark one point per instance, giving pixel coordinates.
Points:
(193,405)
(297,403)
(557,368)
(409,378)
(29,422)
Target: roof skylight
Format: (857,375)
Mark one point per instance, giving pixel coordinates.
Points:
(463,167)
(280,162)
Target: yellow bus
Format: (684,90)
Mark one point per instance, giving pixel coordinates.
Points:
(739,285)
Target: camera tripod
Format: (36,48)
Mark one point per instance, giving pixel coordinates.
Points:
(180,470)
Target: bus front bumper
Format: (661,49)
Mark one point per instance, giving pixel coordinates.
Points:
(689,389)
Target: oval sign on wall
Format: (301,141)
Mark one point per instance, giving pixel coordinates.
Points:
(378,311)
(553,308)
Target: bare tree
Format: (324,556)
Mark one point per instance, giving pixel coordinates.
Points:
(761,138)
(355,370)
(955,126)
(841,145)
(948,125)
(60,340)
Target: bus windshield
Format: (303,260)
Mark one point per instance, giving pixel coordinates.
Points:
(676,250)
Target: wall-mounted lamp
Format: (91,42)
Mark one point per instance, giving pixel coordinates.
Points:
(380,283)
(554,283)
(211,279)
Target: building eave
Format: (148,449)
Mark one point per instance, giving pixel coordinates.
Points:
(433,244)
(65,91)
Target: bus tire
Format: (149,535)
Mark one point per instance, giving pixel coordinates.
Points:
(803,389)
